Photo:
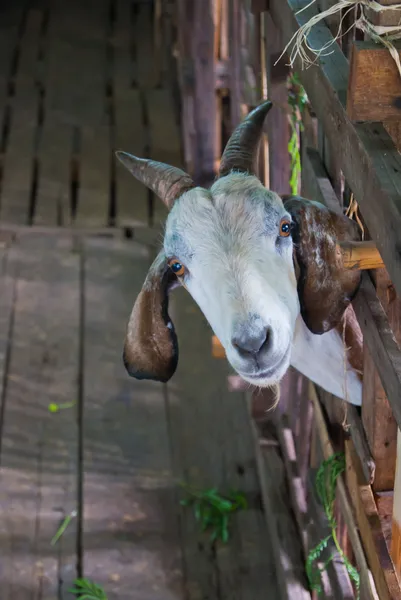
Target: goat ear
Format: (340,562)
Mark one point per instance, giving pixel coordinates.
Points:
(325,288)
(151,349)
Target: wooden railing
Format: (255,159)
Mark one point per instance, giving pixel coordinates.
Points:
(349,144)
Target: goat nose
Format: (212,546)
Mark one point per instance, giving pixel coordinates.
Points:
(253,342)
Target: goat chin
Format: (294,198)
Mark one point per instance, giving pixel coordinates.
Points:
(322,358)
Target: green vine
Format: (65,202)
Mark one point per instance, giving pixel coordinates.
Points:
(213,511)
(326,483)
(85,589)
(297,99)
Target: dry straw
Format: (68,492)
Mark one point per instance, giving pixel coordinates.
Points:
(300,47)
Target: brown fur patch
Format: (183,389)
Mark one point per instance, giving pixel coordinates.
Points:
(325,288)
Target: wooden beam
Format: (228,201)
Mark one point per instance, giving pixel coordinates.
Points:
(368,586)
(381,99)
(360,255)
(278,131)
(368,521)
(285,541)
(365,151)
(358,436)
(396,524)
(369,311)
(259,6)
(217,348)
(306,518)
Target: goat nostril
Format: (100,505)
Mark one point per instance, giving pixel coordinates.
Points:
(246,344)
(268,338)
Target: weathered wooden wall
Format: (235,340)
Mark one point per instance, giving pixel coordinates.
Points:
(350,147)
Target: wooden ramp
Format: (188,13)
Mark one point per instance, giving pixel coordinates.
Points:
(91,461)
(80,438)
(79,80)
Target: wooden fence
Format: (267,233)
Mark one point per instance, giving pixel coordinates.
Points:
(349,142)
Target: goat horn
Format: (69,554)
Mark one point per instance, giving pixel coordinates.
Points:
(241,151)
(169,183)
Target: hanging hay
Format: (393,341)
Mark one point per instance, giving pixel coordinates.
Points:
(301,48)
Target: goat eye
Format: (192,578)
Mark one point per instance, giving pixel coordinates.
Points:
(285,228)
(177,268)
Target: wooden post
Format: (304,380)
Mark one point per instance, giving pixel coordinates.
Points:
(396,524)
(278,130)
(198,78)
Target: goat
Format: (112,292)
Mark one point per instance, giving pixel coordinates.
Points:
(264,270)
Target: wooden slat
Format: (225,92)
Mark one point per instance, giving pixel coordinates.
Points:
(198,400)
(368,521)
(358,436)
(10,26)
(52,202)
(93,205)
(381,343)
(145,72)
(165,140)
(373,63)
(384,503)
(336,581)
(368,589)
(316,184)
(130,135)
(130,538)
(123,41)
(20,149)
(39,457)
(76,61)
(306,515)
(277,122)
(368,158)
(369,311)
(396,521)
(287,548)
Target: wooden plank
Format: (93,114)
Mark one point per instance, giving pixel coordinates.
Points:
(277,123)
(130,537)
(235,79)
(165,140)
(76,62)
(52,203)
(381,342)
(39,454)
(198,400)
(145,72)
(368,588)
(373,63)
(11,22)
(201,31)
(315,181)
(307,516)
(368,521)
(132,197)
(287,549)
(374,324)
(93,206)
(123,47)
(336,581)
(396,522)
(358,436)
(368,158)
(379,424)
(18,167)
(384,503)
